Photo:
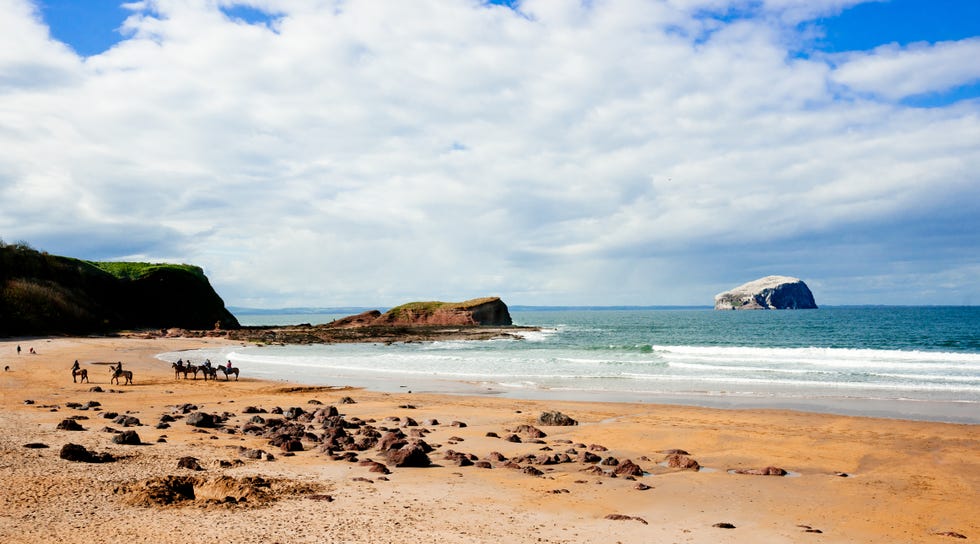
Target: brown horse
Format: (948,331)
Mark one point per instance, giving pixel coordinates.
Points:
(185,370)
(118,373)
(80,373)
(227,371)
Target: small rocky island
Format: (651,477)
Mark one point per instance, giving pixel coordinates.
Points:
(769,293)
(478,319)
(487,311)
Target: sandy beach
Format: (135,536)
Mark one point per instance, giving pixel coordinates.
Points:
(849,479)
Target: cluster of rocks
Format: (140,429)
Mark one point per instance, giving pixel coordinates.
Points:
(397,442)
(393,442)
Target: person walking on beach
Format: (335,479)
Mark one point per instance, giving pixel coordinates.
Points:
(18,349)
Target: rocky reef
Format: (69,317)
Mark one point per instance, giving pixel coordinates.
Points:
(769,293)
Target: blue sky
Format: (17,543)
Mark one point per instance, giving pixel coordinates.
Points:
(613,152)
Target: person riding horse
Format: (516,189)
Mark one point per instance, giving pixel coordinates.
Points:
(118,372)
(78,371)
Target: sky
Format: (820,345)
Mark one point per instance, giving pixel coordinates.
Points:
(317,153)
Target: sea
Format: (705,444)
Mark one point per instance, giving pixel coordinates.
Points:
(920,363)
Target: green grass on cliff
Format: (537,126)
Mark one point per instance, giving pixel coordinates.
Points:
(134,270)
(430,307)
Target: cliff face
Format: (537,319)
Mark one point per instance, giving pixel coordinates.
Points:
(769,293)
(48,294)
(490,311)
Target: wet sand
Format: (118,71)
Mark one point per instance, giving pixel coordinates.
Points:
(906,481)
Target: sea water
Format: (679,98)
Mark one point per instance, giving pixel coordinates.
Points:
(906,362)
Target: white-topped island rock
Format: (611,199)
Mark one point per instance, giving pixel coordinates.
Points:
(768,293)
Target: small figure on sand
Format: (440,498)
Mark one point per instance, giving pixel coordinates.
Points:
(32,352)
(18,349)
(75,366)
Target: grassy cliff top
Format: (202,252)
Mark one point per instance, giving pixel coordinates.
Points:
(135,270)
(430,307)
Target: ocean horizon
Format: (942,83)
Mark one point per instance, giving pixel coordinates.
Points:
(909,362)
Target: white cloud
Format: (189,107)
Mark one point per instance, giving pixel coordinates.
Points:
(363,152)
(896,72)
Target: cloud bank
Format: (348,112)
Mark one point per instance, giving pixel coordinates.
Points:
(617,152)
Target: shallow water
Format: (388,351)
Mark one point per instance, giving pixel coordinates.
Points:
(918,363)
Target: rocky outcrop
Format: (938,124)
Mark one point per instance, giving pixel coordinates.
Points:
(769,293)
(364,319)
(43,294)
(489,311)
(482,311)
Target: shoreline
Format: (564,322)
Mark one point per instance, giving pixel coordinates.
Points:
(907,481)
(944,411)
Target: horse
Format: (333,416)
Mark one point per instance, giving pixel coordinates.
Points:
(117,373)
(227,371)
(185,370)
(80,373)
(209,371)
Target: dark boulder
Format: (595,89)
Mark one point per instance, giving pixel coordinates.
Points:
(458,458)
(374,466)
(555,419)
(190,463)
(628,468)
(127,421)
(201,419)
(128,438)
(531,471)
(78,453)
(391,440)
(69,425)
(588,457)
(410,455)
(530,431)
(683,462)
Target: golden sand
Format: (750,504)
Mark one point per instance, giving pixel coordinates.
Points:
(906,481)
